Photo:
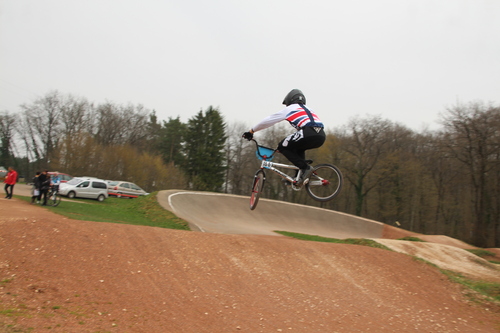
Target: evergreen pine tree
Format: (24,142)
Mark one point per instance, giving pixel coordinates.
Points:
(205,159)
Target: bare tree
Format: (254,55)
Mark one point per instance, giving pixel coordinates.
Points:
(236,158)
(7,130)
(40,127)
(76,115)
(473,138)
(116,125)
(363,142)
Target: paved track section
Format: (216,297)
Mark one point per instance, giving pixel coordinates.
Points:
(230,214)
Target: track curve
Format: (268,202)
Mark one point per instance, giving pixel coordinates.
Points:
(230,214)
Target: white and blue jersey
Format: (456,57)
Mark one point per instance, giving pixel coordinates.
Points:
(300,117)
(55,180)
(296,114)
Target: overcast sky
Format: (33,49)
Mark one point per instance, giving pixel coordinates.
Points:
(405,60)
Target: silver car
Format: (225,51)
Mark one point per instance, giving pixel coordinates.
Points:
(123,189)
(91,188)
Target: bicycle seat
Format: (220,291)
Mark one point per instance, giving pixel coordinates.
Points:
(309,161)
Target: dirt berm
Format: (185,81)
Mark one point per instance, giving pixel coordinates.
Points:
(230,214)
(62,275)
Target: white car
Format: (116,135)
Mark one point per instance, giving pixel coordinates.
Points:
(91,188)
(121,189)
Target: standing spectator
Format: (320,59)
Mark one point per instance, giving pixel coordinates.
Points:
(44,180)
(10,181)
(55,182)
(36,187)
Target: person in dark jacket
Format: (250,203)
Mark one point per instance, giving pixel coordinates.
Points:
(44,180)
(36,187)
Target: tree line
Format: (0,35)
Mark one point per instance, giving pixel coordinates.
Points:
(117,142)
(434,182)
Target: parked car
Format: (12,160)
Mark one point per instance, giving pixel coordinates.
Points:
(92,188)
(64,176)
(3,173)
(122,189)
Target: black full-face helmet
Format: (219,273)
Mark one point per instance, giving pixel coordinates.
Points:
(295,96)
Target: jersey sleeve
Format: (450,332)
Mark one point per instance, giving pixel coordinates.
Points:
(270,120)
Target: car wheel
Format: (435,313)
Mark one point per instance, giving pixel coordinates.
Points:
(101,198)
(71,195)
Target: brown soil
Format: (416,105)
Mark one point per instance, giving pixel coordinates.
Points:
(62,275)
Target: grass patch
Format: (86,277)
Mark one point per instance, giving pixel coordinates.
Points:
(490,290)
(4,282)
(352,241)
(144,210)
(6,328)
(11,312)
(411,239)
(484,254)
(481,252)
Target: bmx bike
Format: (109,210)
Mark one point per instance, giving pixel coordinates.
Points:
(54,198)
(324,184)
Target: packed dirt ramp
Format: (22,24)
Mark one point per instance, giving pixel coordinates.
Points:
(230,214)
(62,275)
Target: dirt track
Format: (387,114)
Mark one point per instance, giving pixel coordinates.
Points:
(61,275)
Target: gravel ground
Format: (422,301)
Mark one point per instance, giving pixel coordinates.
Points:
(62,275)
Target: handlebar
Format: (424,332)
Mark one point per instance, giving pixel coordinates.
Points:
(264,153)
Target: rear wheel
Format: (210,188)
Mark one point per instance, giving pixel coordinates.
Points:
(258,184)
(101,198)
(325,182)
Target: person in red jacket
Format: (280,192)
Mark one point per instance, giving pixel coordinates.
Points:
(10,181)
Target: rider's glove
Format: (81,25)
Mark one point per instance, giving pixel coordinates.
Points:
(247,135)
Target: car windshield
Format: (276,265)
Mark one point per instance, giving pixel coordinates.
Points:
(113,183)
(74,181)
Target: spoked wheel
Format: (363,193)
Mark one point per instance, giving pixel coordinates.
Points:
(258,184)
(325,182)
(54,199)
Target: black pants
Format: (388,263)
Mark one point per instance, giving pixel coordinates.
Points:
(295,145)
(7,192)
(43,193)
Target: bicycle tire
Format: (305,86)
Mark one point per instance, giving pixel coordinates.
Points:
(257,186)
(54,199)
(325,182)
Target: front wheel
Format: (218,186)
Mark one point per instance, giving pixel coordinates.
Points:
(55,199)
(325,182)
(258,184)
